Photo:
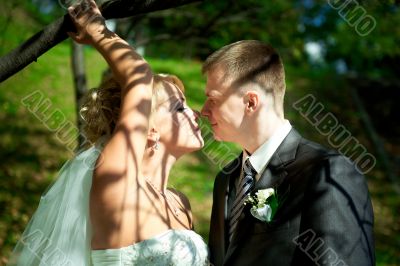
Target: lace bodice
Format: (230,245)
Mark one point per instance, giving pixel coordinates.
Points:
(173,247)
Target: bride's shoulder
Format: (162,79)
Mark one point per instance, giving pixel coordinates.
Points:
(183,203)
(180,197)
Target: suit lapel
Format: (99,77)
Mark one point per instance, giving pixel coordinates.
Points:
(231,194)
(226,193)
(275,172)
(273,175)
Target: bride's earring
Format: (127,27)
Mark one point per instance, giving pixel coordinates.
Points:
(155,146)
(153,140)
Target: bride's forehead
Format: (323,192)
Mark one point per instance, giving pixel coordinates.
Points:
(171,91)
(171,98)
(171,88)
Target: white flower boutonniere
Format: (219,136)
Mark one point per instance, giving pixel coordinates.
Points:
(264,204)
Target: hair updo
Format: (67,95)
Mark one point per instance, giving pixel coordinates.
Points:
(101,106)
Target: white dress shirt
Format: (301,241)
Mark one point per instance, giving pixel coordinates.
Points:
(261,157)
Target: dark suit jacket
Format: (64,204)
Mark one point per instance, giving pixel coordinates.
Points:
(326,217)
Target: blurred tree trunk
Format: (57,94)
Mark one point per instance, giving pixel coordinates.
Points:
(375,139)
(56,32)
(79,75)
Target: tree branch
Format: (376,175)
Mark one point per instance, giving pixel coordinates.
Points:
(56,32)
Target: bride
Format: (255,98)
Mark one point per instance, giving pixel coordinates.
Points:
(110,205)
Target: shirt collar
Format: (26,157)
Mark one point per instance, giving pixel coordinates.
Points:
(260,158)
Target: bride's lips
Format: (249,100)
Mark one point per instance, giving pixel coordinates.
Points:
(196,127)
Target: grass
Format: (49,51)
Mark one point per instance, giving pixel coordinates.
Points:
(31,154)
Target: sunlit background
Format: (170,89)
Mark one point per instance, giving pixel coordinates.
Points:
(341,56)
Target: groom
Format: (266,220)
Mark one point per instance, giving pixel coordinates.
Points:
(324,214)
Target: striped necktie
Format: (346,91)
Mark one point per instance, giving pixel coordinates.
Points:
(244,189)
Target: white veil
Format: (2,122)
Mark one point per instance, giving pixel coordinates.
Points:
(59,233)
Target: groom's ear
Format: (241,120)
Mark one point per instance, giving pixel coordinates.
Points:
(252,100)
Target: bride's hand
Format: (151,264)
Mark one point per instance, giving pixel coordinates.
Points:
(89,22)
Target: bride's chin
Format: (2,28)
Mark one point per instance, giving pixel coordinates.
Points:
(196,146)
(201,142)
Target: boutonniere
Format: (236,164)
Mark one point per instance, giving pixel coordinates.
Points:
(264,204)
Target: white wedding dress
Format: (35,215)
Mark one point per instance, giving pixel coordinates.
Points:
(59,232)
(173,247)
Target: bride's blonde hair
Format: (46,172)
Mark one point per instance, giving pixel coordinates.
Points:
(100,108)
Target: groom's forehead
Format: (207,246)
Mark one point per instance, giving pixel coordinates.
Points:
(214,85)
(217,90)
(217,85)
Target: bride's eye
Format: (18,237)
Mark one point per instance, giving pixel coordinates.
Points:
(181,108)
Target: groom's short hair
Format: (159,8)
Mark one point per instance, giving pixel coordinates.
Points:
(252,61)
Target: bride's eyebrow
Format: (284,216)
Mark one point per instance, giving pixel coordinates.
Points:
(168,100)
(172,102)
(177,102)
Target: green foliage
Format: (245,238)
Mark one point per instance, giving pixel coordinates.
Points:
(31,154)
(288,25)
(13,19)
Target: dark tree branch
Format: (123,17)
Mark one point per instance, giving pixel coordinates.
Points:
(128,8)
(56,32)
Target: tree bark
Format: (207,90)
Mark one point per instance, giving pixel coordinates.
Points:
(56,32)
(80,84)
(376,140)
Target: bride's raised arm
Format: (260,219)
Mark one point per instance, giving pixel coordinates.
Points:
(132,73)
(118,167)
